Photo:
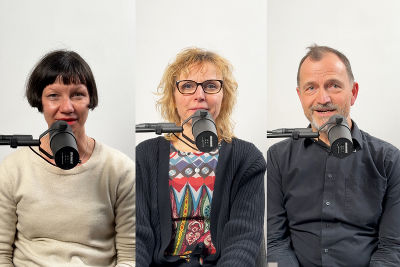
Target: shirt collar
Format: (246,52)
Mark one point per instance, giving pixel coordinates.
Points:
(355,135)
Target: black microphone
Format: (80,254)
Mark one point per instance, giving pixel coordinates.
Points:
(339,136)
(204,131)
(63,145)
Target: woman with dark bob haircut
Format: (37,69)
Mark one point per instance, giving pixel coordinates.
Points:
(199,208)
(83,216)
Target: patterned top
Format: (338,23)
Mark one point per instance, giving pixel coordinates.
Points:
(191,184)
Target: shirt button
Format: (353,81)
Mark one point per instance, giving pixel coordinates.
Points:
(326,250)
(327,225)
(327,203)
(330,176)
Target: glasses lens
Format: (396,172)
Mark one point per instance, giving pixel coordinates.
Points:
(211,86)
(187,87)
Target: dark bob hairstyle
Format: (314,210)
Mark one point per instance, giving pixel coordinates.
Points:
(64,66)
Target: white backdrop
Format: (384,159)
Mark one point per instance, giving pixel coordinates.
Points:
(101,31)
(233,28)
(367,32)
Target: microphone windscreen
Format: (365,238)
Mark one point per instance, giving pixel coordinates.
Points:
(204,131)
(339,136)
(63,145)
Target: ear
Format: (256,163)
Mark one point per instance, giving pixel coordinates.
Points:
(298,91)
(354,92)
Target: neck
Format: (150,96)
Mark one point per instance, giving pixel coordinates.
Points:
(82,142)
(323,137)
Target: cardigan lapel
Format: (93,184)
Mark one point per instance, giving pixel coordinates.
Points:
(221,177)
(164,202)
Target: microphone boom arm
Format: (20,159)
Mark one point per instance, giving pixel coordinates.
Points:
(158,128)
(18,140)
(294,133)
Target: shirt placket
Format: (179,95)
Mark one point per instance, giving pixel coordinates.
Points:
(329,207)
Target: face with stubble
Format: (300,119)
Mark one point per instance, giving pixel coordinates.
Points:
(325,89)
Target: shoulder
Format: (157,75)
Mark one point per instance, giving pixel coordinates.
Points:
(112,156)
(244,151)
(285,147)
(282,145)
(151,146)
(242,146)
(19,163)
(20,157)
(376,144)
(380,149)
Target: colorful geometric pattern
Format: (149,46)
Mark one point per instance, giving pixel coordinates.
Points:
(191,184)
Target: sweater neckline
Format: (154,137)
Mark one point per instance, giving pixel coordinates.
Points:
(89,164)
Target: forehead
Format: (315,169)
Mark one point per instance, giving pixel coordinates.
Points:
(60,86)
(328,66)
(200,69)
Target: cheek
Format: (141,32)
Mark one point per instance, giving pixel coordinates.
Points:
(216,104)
(306,102)
(179,104)
(83,111)
(48,108)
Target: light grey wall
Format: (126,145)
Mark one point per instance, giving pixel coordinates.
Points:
(101,31)
(235,29)
(367,32)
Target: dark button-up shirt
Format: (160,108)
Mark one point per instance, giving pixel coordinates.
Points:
(327,211)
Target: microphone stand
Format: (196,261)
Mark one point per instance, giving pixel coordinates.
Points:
(158,128)
(294,133)
(18,140)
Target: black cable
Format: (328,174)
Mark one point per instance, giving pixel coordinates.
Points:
(34,151)
(185,142)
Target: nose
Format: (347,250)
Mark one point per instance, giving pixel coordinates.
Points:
(323,96)
(199,94)
(66,105)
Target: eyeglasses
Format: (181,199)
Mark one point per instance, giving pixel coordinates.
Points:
(189,87)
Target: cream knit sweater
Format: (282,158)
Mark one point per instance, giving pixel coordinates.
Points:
(79,217)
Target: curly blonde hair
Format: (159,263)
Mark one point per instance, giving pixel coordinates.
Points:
(183,62)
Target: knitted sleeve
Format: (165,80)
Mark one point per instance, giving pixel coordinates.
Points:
(243,231)
(8,217)
(145,237)
(125,216)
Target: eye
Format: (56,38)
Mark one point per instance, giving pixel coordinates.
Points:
(309,89)
(210,85)
(187,85)
(334,86)
(52,96)
(78,95)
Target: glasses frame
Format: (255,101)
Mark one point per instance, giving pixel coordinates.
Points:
(197,85)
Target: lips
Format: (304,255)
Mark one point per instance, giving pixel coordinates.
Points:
(325,113)
(195,109)
(325,110)
(70,121)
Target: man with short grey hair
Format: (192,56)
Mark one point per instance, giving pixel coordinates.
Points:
(328,211)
